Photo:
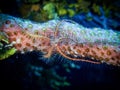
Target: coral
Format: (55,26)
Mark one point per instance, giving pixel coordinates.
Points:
(83,5)
(62,12)
(5,53)
(48,77)
(71,12)
(64,38)
(96,9)
(34,9)
(3,37)
(5,50)
(52,9)
(49,8)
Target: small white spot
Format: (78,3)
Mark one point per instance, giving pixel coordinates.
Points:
(92,58)
(75,55)
(102,61)
(67,52)
(108,63)
(13,42)
(35,45)
(9,45)
(18,40)
(83,55)
(73,50)
(22,52)
(31,50)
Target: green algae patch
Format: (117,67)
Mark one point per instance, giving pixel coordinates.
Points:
(6,53)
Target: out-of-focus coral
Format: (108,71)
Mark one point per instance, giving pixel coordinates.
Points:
(96,8)
(5,53)
(49,8)
(49,77)
(52,9)
(43,10)
(5,49)
(82,5)
(3,37)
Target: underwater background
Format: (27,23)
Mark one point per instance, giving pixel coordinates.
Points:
(27,72)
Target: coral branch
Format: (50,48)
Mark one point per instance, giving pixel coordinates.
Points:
(67,38)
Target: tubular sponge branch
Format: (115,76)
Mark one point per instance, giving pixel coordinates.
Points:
(63,37)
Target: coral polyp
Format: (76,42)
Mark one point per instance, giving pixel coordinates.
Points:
(63,37)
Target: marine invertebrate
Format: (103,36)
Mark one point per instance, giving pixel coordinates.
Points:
(66,38)
(5,52)
(49,8)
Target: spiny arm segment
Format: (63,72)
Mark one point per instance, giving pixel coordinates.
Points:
(84,43)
